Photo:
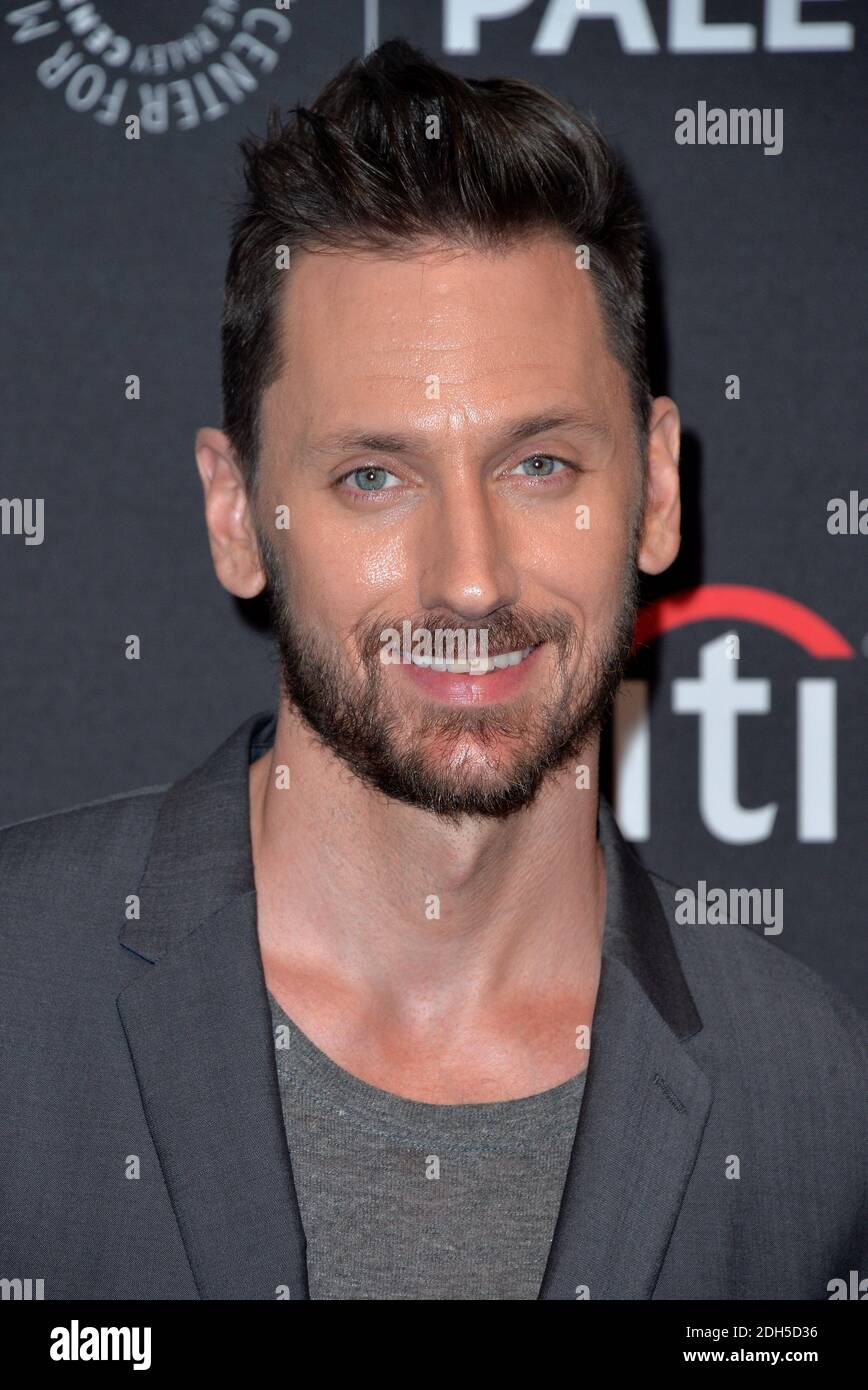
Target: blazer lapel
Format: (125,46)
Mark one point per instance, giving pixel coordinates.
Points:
(645,1102)
(198,1026)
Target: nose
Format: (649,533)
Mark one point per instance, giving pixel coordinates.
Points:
(467,564)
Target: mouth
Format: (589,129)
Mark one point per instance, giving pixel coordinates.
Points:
(483,681)
(479,666)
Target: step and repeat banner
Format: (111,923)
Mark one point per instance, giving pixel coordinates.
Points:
(742,122)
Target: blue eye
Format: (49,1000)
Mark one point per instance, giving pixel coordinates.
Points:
(369,479)
(540,466)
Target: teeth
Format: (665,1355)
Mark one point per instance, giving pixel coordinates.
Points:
(480,666)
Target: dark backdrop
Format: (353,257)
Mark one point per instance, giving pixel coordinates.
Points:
(114,255)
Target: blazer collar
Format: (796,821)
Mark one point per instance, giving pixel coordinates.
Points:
(200,856)
(198,1025)
(200,859)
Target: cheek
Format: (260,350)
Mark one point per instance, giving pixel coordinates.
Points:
(578,567)
(379,565)
(340,574)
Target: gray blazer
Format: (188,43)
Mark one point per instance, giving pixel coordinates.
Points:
(142,1147)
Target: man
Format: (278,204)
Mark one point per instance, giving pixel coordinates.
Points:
(377,1003)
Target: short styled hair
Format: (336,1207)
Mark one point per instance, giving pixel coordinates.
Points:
(367,168)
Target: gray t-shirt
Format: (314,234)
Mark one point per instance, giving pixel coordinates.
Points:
(402,1199)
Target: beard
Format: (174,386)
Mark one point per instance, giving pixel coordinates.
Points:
(487,761)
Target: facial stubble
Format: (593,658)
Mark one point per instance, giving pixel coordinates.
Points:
(454,761)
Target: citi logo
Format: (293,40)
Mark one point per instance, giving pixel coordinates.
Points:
(717,697)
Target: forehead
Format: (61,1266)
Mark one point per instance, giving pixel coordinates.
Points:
(478,332)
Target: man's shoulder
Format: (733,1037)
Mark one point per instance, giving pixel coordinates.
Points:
(79,846)
(746,981)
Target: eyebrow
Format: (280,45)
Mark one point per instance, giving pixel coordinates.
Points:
(512,433)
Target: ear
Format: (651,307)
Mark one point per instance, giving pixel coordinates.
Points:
(661,522)
(228,515)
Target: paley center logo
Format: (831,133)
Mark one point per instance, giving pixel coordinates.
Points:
(213,57)
(688,26)
(102,56)
(718,697)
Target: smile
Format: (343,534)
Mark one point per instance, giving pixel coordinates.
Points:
(480,666)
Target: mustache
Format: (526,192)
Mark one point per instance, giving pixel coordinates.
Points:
(508,630)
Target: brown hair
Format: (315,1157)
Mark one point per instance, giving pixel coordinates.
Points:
(358,170)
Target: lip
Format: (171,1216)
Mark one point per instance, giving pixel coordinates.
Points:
(458,688)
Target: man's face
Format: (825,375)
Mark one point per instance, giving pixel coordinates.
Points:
(456,447)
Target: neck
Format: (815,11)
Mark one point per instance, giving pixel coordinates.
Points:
(411,910)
